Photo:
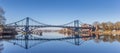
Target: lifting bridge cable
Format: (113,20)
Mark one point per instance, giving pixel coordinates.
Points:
(37,21)
(16,21)
(67,23)
(80,22)
(71,23)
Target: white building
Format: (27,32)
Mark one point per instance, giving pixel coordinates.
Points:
(2,18)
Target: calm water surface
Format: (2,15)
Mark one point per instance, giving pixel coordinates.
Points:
(103,44)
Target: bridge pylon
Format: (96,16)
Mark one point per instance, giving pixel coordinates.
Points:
(76,25)
(27,28)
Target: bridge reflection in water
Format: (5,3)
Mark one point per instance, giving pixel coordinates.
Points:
(75,39)
(25,42)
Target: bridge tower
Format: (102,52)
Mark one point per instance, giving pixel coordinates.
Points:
(27,28)
(76,29)
(76,25)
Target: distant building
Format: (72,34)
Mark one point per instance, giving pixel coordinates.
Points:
(2,18)
(86,26)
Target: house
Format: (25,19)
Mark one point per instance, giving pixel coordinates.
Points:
(87,26)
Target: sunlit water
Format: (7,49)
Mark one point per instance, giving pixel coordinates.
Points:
(87,45)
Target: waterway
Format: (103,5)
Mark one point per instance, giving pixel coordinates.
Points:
(93,44)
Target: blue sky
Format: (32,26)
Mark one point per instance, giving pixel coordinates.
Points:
(62,11)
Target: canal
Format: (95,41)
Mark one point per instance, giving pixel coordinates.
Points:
(52,44)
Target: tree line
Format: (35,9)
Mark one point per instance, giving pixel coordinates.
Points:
(107,25)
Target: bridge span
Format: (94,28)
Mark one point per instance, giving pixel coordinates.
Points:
(40,26)
(25,25)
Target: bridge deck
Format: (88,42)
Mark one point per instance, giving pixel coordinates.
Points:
(45,26)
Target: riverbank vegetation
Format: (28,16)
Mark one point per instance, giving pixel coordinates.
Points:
(107,27)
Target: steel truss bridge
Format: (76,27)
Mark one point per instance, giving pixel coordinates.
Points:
(28,24)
